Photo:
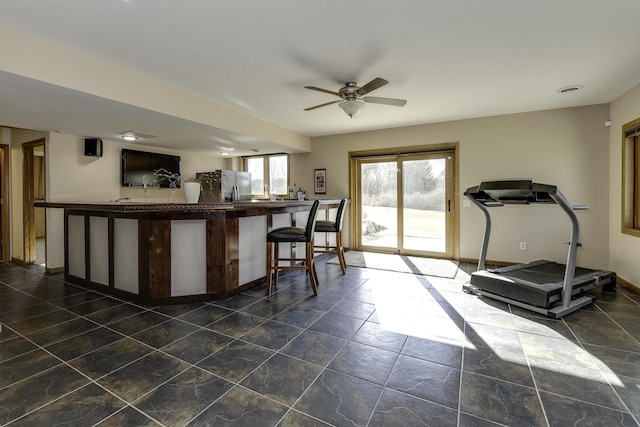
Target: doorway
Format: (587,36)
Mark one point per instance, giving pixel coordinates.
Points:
(405,203)
(4,202)
(34,190)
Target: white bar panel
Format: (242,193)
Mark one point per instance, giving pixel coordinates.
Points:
(99,250)
(75,240)
(324,239)
(125,256)
(329,214)
(188,257)
(252,252)
(282,220)
(301,222)
(55,238)
(320,239)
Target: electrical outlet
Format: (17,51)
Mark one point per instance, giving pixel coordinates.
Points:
(523,246)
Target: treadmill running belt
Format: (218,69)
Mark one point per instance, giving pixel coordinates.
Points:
(538,283)
(550,272)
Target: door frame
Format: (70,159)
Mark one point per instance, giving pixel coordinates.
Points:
(4,203)
(28,199)
(354,188)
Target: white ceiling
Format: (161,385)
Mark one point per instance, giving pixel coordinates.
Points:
(451,59)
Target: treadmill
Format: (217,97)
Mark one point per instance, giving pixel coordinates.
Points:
(545,287)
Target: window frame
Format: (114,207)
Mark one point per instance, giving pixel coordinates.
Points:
(630,220)
(267,174)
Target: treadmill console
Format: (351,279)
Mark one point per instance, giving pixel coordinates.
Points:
(512,192)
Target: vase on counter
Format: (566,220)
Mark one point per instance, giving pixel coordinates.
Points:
(191,191)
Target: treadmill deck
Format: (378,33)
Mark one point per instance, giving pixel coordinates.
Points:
(538,283)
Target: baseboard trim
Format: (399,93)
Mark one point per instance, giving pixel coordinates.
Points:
(626,284)
(487,262)
(17,261)
(48,270)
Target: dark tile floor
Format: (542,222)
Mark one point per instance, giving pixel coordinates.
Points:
(372,349)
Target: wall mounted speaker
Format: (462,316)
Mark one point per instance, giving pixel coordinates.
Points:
(93,147)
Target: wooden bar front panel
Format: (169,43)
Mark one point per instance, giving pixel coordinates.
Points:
(154,239)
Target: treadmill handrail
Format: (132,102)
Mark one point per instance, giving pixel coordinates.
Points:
(569,271)
(487,233)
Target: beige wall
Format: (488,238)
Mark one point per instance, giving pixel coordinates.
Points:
(623,248)
(564,147)
(72,176)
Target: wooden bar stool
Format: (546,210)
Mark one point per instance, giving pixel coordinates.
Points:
(333,227)
(293,235)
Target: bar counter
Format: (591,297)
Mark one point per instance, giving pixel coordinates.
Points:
(167,253)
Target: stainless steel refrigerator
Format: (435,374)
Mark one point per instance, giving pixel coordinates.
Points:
(227,186)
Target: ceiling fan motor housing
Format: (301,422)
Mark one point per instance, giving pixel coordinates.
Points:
(349,91)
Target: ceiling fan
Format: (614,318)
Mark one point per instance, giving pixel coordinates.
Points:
(352,97)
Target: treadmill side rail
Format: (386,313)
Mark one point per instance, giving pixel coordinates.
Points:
(554,312)
(574,305)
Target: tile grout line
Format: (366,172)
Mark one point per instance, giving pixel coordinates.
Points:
(533,378)
(464,334)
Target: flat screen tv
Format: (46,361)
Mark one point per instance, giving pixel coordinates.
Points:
(138,168)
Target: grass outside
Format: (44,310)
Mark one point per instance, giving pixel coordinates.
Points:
(379,227)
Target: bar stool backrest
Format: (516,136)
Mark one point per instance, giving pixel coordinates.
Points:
(311,221)
(339,215)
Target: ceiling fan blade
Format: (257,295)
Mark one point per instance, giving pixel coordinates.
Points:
(387,101)
(372,85)
(319,89)
(323,105)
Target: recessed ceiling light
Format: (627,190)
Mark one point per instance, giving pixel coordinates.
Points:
(568,89)
(224,153)
(132,135)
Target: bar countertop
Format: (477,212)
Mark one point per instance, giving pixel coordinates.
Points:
(133,207)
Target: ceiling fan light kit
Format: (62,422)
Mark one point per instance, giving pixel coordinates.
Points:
(351,107)
(352,96)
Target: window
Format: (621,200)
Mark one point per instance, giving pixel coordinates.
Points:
(631,178)
(269,174)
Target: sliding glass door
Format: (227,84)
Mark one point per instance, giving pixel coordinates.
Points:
(404,204)
(379,201)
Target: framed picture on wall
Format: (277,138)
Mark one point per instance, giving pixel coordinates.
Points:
(320,181)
